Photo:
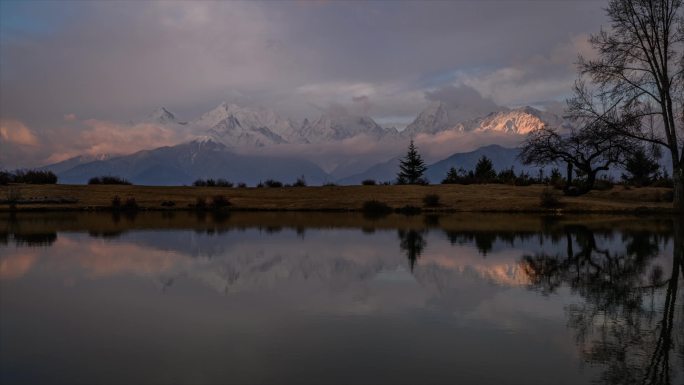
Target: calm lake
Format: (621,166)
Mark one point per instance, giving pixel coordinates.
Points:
(340,298)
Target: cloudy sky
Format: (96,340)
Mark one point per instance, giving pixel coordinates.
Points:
(74,73)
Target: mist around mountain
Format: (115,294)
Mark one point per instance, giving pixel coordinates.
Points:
(187,162)
(236,126)
(70,163)
(245,144)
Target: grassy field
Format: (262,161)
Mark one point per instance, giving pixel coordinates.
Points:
(458,198)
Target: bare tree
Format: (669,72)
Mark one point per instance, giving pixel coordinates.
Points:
(639,72)
(590,149)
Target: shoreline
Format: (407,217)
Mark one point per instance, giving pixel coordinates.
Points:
(488,198)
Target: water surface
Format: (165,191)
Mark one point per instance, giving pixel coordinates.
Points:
(340,298)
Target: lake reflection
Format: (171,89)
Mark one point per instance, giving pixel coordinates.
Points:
(339,298)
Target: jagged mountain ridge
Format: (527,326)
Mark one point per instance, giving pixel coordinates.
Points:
(163,116)
(333,127)
(435,119)
(237,126)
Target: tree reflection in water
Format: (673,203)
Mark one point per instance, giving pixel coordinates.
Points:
(630,307)
(412,243)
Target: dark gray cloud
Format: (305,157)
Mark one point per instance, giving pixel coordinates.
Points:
(463,102)
(119,60)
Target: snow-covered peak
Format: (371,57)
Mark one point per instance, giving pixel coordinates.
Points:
(336,126)
(437,118)
(434,118)
(231,124)
(517,121)
(162,116)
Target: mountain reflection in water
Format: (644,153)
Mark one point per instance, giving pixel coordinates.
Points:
(340,298)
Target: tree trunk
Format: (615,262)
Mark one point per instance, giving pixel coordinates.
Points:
(569,175)
(678,192)
(591,180)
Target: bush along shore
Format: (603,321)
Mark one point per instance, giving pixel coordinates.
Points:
(363,198)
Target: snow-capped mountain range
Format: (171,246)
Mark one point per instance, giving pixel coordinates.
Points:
(237,126)
(436,118)
(219,137)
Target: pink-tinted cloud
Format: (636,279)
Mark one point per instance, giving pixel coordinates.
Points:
(16,132)
(105,137)
(70,117)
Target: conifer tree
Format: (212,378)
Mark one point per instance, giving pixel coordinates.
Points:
(642,169)
(412,167)
(484,170)
(451,176)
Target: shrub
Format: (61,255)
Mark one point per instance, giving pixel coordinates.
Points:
(32,177)
(431,200)
(368,182)
(6,178)
(556,179)
(375,207)
(212,183)
(130,204)
(273,183)
(507,176)
(524,179)
(300,182)
(168,203)
(603,184)
(200,203)
(663,181)
(108,180)
(219,202)
(409,210)
(329,184)
(460,176)
(13,195)
(116,202)
(548,199)
(242,185)
(667,196)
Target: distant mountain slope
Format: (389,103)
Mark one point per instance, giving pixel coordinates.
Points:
(502,158)
(70,163)
(381,172)
(184,163)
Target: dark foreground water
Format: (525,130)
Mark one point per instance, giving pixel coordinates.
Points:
(337,298)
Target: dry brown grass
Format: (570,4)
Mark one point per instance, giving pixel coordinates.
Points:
(461,198)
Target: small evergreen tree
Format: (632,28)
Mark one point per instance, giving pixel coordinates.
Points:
(507,176)
(412,167)
(484,170)
(642,169)
(451,176)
